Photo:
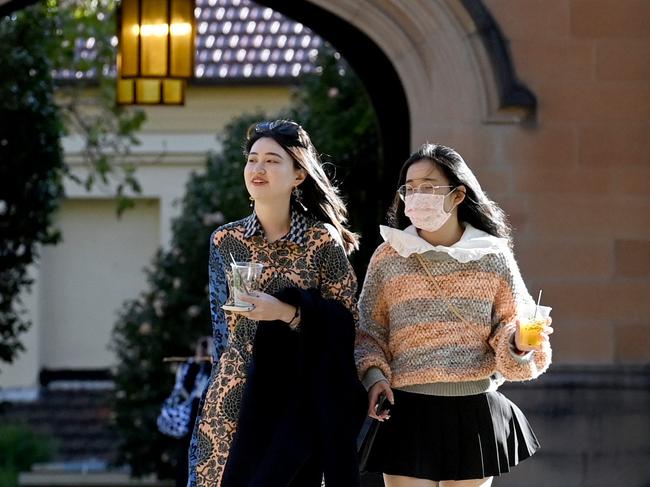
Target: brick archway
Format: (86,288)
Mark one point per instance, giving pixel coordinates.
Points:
(450,62)
(434,71)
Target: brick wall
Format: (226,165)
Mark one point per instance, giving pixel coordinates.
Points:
(576,181)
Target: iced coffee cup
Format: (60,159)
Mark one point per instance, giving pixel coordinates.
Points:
(242,279)
(532,321)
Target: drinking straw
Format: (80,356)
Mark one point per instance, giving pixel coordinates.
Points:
(539,298)
(243,283)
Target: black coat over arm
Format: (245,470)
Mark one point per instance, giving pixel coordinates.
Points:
(302,402)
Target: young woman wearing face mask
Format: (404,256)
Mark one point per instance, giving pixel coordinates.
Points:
(258,423)
(439,332)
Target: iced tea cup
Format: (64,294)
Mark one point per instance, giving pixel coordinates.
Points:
(244,278)
(531,324)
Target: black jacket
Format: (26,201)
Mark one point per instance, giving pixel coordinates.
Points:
(302,402)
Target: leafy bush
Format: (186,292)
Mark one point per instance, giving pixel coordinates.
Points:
(32,165)
(20,448)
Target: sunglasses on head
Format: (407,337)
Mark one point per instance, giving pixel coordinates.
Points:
(279,127)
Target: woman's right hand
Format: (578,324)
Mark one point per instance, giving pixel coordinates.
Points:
(376,391)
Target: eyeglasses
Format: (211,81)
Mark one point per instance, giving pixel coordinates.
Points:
(424,188)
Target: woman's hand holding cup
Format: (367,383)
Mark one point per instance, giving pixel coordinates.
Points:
(533,328)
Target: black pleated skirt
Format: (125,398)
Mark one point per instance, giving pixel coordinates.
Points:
(451,438)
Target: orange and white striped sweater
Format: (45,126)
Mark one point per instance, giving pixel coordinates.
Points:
(408,335)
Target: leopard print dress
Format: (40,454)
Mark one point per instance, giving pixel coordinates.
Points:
(309,256)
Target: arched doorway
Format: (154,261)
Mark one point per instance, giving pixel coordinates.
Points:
(449,57)
(430,68)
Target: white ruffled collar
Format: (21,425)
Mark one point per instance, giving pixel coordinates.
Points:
(473,244)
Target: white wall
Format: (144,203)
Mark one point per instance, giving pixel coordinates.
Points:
(87,277)
(81,283)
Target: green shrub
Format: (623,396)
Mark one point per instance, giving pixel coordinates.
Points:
(20,448)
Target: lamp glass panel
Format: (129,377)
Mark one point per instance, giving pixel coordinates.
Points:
(129,55)
(182,39)
(173,91)
(125,91)
(154,32)
(147,91)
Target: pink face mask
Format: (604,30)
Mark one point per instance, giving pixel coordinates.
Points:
(427,211)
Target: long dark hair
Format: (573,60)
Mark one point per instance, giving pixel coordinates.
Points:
(319,195)
(476,209)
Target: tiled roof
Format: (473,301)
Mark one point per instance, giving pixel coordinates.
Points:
(239,40)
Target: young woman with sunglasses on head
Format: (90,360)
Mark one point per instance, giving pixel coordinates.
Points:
(262,420)
(439,331)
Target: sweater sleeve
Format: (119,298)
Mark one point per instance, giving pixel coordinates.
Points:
(372,352)
(218,291)
(511,295)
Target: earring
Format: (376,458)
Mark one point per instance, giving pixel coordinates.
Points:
(252,201)
(297,194)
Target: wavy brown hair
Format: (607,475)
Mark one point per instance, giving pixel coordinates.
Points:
(319,194)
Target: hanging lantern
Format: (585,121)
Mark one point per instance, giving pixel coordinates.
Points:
(156,51)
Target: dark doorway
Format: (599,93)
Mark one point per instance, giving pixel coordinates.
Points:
(387,96)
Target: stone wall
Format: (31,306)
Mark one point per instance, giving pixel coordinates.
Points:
(593,426)
(576,181)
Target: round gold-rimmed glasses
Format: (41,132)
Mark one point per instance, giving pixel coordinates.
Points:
(425,188)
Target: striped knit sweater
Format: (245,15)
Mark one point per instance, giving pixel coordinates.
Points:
(408,335)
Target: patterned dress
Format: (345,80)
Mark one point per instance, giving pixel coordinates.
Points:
(309,256)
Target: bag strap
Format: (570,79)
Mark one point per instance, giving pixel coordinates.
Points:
(200,384)
(454,309)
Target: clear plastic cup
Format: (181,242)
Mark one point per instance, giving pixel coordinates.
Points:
(243,278)
(532,321)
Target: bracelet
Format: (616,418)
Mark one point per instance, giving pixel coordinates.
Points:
(295,315)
